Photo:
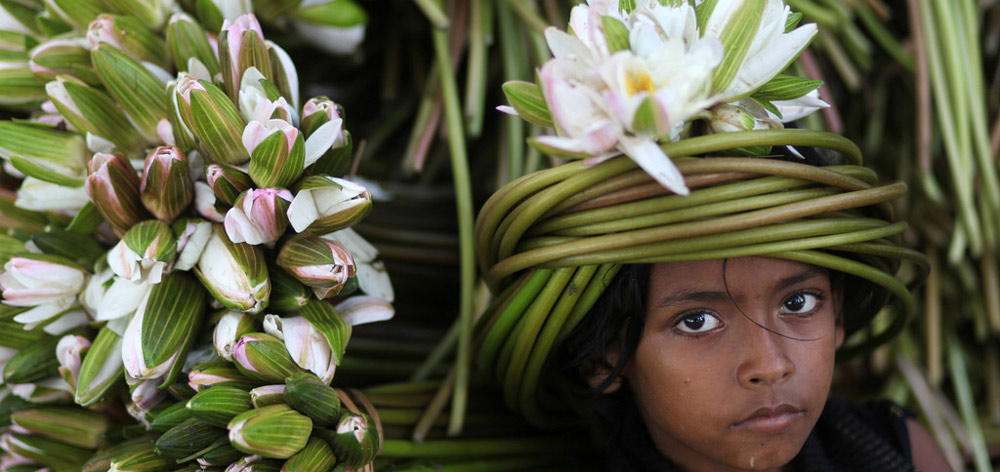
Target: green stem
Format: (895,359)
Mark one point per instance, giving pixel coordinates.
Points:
(463,194)
(480,15)
(434,13)
(529,15)
(967,406)
(441,350)
(882,35)
(512,54)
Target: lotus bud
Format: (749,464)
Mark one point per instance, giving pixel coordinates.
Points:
(222,455)
(287,293)
(263,357)
(130,35)
(149,12)
(317,456)
(213,373)
(56,156)
(170,416)
(69,353)
(313,398)
(36,279)
(241,46)
(101,367)
(258,216)
(335,27)
(227,183)
(259,99)
(140,458)
(275,431)
(267,395)
(143,252)
(217,405)
(46,451)
(92,111)
(327,204)
(187,438)
(166,188)
(33,363)
(212,118)
(192,237)
(189,46)
(69,57)
(306,345)
(355,440)
(163,328)
(113,186)
(234,273)
(277,152)
(319,263)
(328,144)
(71,425)
(140,92)
(228,330)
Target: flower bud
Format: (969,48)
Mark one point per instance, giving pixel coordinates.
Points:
(306,345)
(166,188)
(129,35)
(263,357)
(328,144)
(327,204)
(313,398)
(149,12)
(372,276)
(113,186)
(45,153)
(92,111)
(69,353)
(170,416)
(218,405)
(355,441)
(213,13)
(101,367)
(258,216)
(257,100)
(17,18)
(143,252)
(72,425)
(189,46)
(144,395)
(335,27)
(36,279)
(241,46)
(214,373)
(192,237)
(730,118)
(223,454)
(275,431)
(163,328)
(234,273)
(187,438)
(39,195)
(212,118)
(227,183)
(287,293)
(267,395)
(33,363)
(319,263)
(228,330)
(109,297)
(315,457)
(139,457)
(46,451)
(70,57)
(277,152)
(139,91)
(20,88)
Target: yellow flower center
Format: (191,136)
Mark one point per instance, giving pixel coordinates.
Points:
(638,81)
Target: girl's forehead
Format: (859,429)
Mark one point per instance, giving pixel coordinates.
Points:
(741,271)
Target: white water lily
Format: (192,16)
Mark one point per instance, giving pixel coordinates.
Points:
(110,297)
(135,267)
(254,104)
(373,279)
(307,346)
(36,280)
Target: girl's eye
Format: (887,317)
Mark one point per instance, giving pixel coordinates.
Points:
(696,323)
(800,303)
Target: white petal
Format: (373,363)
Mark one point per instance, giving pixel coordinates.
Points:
(364,309)
(322,140)
(302,211)
(373,279)
(651,158)
(338,41)
(66,322)
(360,248)
(39,195)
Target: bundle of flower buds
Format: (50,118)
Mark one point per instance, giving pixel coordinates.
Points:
(179,275)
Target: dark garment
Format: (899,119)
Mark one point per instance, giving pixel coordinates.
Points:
(869,437)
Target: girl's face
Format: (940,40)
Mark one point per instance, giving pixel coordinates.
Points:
(737,380)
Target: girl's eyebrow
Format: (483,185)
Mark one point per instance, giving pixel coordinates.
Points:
(684,296)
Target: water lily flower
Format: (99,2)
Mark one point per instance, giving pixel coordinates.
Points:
(277,152)
(304,343)
(37,279)
(324,204)
(234,273)
(70,351)
(322,264)
(144,252)
(110,297)
(258,216)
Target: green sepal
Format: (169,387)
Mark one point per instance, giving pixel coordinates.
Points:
(22,13)
(173,315)
(33,363)
(9,247)
(626,6)
(272,165)
(39,171)
(268,356)
(786,87)
(528,100)
(221,369)
(736,38)
(10,404)
(81,249)
(51,155)
(252,53)
(72,425)
(219,404)
(217,125)
(313,398)
(792,21)
(171,416)
(326,320)
(86,220)
(52,26)
(287,293)
(140,93)
(14,334)
(317,456)
(102,459)
(187,438)
(354,451)
(615,34)
(186,39)
(270,10)
(264,395)
(64,57)
(339,14)
(209,15)
(275,432)
(100,115)
(220,453)
(148,12)
(101,368)
(46,451)
(767,106)
(19,219)
(78,13)
(143,236)
(335,161)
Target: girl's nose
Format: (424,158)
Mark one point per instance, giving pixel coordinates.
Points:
(764,359)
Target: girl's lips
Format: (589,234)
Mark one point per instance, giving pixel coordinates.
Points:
(770,419)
